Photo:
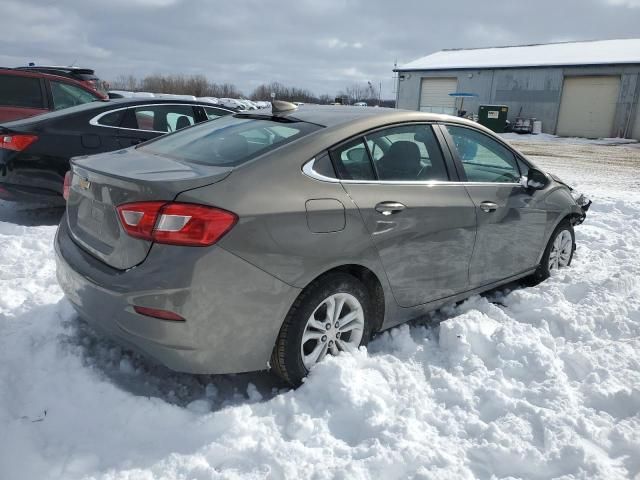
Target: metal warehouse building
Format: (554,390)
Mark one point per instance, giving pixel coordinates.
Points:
(585,89)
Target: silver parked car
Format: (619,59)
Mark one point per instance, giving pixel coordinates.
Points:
(269,239)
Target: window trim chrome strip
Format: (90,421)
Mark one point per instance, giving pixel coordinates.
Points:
(308,170)
(94,121)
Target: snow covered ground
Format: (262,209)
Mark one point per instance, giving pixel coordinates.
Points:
(545,137)
(533,382)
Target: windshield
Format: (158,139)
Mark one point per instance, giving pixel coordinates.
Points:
(228,141)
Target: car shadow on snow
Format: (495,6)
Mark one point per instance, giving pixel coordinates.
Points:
(141,375)
(30,214)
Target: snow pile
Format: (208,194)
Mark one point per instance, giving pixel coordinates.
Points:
(537,382)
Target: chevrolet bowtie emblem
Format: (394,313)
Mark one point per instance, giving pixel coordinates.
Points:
(84,183)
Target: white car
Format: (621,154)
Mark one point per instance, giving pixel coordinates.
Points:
(212,100)
(248,103)
(120,94)
(174,96)
(232,103)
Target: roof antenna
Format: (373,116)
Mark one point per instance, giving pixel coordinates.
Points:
(280,106)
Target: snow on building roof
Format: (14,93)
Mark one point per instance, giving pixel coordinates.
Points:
(594,52)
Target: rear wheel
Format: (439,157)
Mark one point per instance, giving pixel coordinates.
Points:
(559,251)
(331,315)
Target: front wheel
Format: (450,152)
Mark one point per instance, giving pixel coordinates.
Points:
(331,315)
(559,251)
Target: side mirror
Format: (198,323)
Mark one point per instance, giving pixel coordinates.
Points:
(535,179)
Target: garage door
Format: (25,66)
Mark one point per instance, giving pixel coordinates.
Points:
(434,95)
(636,124)
(588,107)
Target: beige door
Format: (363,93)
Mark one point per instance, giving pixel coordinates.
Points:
(588,107)
(635,133)
(434,95)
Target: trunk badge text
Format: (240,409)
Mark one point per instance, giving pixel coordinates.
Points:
(84,183)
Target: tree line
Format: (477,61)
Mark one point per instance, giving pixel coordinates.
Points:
(200,86)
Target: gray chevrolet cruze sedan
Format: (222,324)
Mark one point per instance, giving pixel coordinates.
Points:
(270,239)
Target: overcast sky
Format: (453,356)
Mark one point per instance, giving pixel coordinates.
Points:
(322,45)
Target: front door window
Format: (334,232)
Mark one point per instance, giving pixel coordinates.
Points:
(483,159)
(407,153)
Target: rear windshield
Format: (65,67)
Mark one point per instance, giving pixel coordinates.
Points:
(228,141)
(85,76)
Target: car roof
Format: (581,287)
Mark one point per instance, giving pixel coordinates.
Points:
(100,105)
(336,115)
(78,70)
(40,74)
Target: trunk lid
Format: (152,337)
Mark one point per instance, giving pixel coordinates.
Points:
(102,182)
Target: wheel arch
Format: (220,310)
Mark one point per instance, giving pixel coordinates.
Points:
(372,283)
(572,216)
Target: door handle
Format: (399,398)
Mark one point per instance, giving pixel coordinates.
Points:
(388,208)
(488,207)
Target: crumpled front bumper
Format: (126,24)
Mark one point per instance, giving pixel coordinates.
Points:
(584,203)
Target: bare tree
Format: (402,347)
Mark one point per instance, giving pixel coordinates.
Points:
(282,92)
(196,85)
(224,90)
(362,92)
(200,86)
(125,82)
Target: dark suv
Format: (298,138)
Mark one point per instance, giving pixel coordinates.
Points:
(25,93)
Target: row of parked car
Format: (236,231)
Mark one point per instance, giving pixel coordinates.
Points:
(33,90)
(50,114)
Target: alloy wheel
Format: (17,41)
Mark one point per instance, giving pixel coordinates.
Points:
(560,253)
(336,324)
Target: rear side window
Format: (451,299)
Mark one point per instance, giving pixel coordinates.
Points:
(17,91)
(229,141)
(352,162)
(160,118)
(112,119)
(213,113)
(66,95)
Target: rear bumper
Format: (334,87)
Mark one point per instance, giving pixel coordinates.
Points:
(233,310)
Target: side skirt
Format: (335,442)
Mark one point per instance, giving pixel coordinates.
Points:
(403,314)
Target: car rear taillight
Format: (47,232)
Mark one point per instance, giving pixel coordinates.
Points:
(138,219)
(176,223)
(16,142)
(67,184)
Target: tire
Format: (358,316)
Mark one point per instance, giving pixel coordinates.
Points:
(287,358)
(544,269)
